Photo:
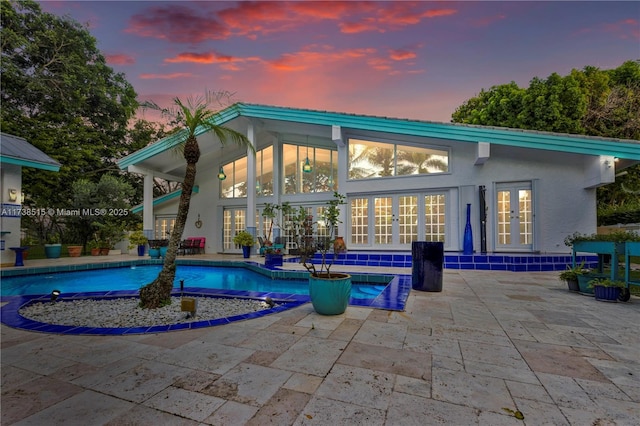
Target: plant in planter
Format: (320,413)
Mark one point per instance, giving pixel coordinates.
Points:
(74,250)
(94,247)
(607,290)
(329,292)
(570,276)
(154,249)
(272,257)
(246,241)
(53,248)
(138,239)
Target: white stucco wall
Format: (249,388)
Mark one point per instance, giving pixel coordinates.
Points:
(11,178)
(563,204)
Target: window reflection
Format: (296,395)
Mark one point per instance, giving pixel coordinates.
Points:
(369,159)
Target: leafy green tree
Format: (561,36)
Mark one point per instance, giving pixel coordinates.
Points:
(589,101)
(58,93)
(191,117)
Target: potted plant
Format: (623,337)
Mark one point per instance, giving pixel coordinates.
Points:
(329,292)
(570,276)
(138,239)
(154,249)
(94,247)
(272,257)
(74,250)
(606,289)
(53,248)
(245,240)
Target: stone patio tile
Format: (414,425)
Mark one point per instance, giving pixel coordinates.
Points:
(195,380)
(495,336)
(211,357)
(446,363)
(358,386)
(633,392)
(565,391)
(100,375)
(177,338)
(604,411)
(412,410)
(270,341)
(620,373)
(101,353)
(184,403)
(304,383)
(515,330)
(262,358)
(228,335)
(597,390)
(382,334)
(310,355)
(557,359)
(489,418)
(388,360)
(248,384)
(321,322)
(558,337)
(520,374)
(412,386)
(325,411)
(13,376)
(484,393)
(43,364)
(282,409)
(30,397)
(347,329)
(356,313)
(446,347)
(540,413)
(506,356)
(142,381)
(535,392)
(622,352)
(77,409)
(231,413)
(142,415)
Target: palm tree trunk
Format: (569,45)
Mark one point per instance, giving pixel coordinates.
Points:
(158,292)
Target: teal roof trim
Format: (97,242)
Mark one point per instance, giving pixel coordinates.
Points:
(531,139)
(29,163)
(172,141)
(164,198)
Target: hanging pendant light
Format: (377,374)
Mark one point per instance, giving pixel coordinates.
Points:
(306,168)
(221,174)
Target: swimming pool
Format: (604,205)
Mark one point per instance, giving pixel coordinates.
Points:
(134,277)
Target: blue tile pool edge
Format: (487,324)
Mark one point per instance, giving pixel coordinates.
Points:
(393,297)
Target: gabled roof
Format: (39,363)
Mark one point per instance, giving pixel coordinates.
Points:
(16,150)
(579,144)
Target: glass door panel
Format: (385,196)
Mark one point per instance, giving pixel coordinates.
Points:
(383,221)
(234,221)
(514,216)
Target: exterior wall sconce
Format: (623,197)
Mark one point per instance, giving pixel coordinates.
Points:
(13,194)
(221,174)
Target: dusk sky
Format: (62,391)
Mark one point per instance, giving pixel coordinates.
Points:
(416,60)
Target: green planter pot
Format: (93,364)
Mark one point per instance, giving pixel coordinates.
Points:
(330,296)
(52,251)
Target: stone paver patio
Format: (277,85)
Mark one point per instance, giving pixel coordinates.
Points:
(490,345)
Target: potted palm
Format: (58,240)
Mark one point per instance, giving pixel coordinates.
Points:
(329,292)
(94,247)
(246,241)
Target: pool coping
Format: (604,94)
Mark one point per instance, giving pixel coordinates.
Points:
(393,297)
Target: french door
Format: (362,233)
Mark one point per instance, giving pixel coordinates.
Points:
(234,221)
(514,208)
(394,221)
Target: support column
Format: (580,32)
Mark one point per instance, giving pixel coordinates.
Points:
(251,181)
(147,205)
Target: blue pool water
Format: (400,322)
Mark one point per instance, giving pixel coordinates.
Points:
(132,278)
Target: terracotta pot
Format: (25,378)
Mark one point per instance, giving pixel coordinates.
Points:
(95,251)
(74,251)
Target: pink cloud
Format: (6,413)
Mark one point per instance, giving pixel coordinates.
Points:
(200,58)
(165,76)
(177,23)
(402,55)
(120,59)
(488,20)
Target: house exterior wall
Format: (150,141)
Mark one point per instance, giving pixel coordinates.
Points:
(11,178)
(562,204)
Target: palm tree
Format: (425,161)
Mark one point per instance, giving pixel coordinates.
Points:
(193,117)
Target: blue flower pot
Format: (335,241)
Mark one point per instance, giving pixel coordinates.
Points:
(154,253)
(141,250)
(52,251)
(606,294)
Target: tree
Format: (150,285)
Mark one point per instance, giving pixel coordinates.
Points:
(58,93)
(588,101)
(191,117)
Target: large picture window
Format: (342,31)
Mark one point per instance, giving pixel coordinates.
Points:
(264,172)
(368,159)
(235,185)
(324,169)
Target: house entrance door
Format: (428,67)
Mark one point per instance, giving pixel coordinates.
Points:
(234,222)
(514,207)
